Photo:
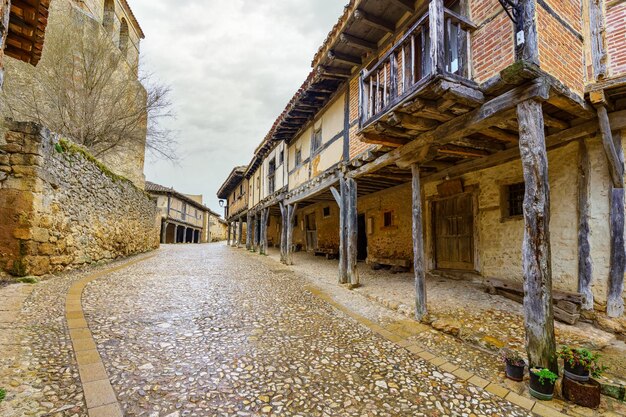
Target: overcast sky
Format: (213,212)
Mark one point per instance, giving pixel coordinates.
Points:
(233,65)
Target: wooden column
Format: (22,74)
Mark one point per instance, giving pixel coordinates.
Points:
(257,232)
(352,232)
(283,232)
(528,50)
(163,232)
(584,247)
(615,302)
(263,238)
(240,233)
(253,232)
(437,46)
(291,215)
(227,240)
(596,30)
(536,262)
(248,231)
(339,198)
(419,264)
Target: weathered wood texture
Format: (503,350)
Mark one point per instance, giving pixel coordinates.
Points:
(536,257)
(263,238)
(254,232)
(615,302)
(584,247)
(248,231)
(283,232)
(529,50)
(419,264)
(291,215)
(615,164)
(239,232)
(229,233)
(352,232)
(339,198)
(257,232)
(437,51)
(598,51)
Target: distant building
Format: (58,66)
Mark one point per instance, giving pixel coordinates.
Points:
(184,219)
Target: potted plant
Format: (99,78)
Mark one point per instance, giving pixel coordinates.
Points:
(580,363)
(542,383)
(514,364)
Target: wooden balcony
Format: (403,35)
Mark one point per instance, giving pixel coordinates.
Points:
(434,48)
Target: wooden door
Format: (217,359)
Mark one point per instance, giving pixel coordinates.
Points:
(311,232)
(454,232)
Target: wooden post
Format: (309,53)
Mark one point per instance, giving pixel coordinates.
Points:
(419,264)
(163,231)
(584,248)
(536,262)
(339,198)
(283,232)
(227,240)
(437,47)
(596,29)
(248,231)
(291,215)
(264,217)
(240,232)
(528,50)
(615,302)
(254,232)
(351,221)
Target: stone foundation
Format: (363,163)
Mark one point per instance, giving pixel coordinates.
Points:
(62,208)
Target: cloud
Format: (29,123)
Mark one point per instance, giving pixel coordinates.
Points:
(233,65)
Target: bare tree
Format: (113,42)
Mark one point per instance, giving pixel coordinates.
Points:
(84,88)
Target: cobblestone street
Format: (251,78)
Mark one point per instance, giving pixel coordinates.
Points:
(209,330)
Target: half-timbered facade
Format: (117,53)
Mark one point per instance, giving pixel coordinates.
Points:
(474,138)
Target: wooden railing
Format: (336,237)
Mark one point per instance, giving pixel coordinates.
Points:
(436,44)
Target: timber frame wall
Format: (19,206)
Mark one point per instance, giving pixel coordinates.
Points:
(433,96)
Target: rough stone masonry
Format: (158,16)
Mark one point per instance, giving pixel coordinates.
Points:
(60,207)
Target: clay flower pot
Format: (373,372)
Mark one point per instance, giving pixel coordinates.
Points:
(576,373)
(542,390)
(514,372)
(583,393)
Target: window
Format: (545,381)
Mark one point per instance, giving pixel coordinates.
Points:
(108,15)
(271,176)
(281,157)
(240,190)
(298,157)
(123,36)
(317,140)
(388,219)
(512,200)
(326,211)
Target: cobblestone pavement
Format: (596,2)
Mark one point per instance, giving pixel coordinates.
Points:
(209,330)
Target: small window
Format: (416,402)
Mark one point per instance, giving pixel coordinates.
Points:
(388,219)
(281,157)
(298,157)
(240,189)
(326,211)
(317,140)
(514,200)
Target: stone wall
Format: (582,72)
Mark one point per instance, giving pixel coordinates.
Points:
(61,208)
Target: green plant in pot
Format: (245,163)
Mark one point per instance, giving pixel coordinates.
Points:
(542,382)
(514,364)
(580,363)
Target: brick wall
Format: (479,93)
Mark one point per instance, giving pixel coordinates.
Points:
(561,50)
(616,38)
(61,208)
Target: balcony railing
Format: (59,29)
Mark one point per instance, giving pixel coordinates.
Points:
(436,44)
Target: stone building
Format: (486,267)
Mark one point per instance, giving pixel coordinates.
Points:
(182,217)
(468,138)
(89,19)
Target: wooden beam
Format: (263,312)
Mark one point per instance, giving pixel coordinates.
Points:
(336,72)
(357,43)
(536,258)
(551,121)
(584,246)
(385,140)
(481,118)
(499,134)
(616,167)
(410,122)
(462,151)
(374,21)
(617,266)
(419,264)
(598,51)
(335,56)
(406,5)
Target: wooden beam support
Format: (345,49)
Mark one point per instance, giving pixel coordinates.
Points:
(385,140)
(343,258)
(437,47)
(283,232)
(291,215)
(410,122)
(248,230)
(536,257)
(335,56)
(351,222)
(485,116)
(616,167)
(406,5)
(615,302)
(239,232)
(598,51)
(336,72)
(419,263)
(227,238)
(374,21)
(357,43)
(584,246)
(528,50)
